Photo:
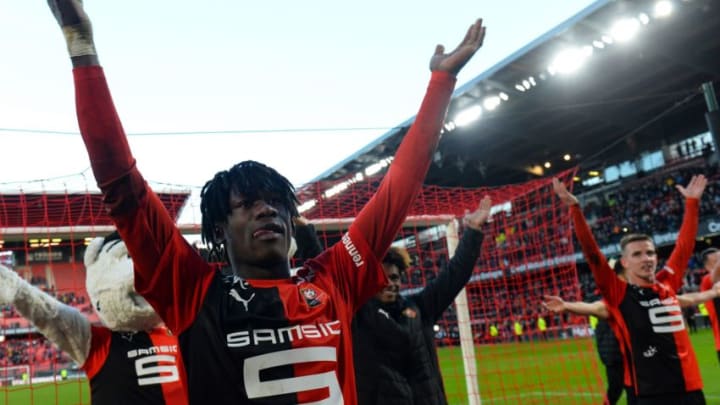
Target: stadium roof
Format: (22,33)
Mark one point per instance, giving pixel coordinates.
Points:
(639,67)
(24,215)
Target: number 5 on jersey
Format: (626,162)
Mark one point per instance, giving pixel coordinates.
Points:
(259,389)
(666,319)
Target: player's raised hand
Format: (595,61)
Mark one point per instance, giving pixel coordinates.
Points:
(554,303)
(563,193)
(695,188)
(480,216)
(454,61)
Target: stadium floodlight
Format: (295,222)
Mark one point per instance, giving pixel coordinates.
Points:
(519,87)
(599,44)
(468,115)
(526,84)
(491,103)
(547,165)
(570,60)
(663,8)
(567,157)
(625,29)
(644,18)
(532,81)
(503,96)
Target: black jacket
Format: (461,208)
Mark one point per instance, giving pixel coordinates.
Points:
(608,346)
(394,345)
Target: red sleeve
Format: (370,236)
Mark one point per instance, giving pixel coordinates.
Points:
(706,283)
(350,267)
(100,338)
(611,287)
(378,223)
(380,220)
(168,271)
(678,262)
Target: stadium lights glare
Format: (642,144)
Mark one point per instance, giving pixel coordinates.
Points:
(625,29)
(307,205)
(570,60)
(607,39)
(567,157)
(503,96)
(663,8)
(532,81)
(644,18)
(526,84)
(519,87)
(599,44)
(547,165)
(436,328)
(491,103)
(468,115)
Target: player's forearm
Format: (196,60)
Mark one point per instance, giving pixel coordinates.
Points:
(685,244)
(692,299)
(462,264)
(381,218)
(586,309)
(100,126)
(63,325)
(604,275)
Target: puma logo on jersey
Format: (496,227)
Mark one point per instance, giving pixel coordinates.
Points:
(238,298)
(650,352)
(352,250)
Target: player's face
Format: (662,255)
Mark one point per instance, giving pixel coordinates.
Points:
(640,260)
(390,293)
(257,232)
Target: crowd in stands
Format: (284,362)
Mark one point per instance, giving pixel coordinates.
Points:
(649,205)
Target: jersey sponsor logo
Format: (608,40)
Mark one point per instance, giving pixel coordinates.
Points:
(257,388)
(293,333)
(352,251)
(152,350)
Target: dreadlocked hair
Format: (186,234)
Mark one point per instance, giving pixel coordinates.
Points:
(399,257)
(253,180)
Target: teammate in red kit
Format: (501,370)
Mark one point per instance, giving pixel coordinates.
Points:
(644,311)
(259,336)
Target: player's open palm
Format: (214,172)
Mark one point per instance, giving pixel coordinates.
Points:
(563,193)
(480,216)
(553,303)
(695,188)
(454,61)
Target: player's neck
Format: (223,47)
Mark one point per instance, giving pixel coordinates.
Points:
(254,272)
(640,282)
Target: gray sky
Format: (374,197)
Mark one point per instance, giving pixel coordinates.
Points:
(180,66)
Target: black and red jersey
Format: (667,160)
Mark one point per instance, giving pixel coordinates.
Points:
(713,308)
(648,321)
(135,368)
(256,341)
